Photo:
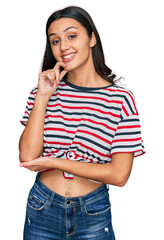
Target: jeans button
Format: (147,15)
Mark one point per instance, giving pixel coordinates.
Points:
(68,202)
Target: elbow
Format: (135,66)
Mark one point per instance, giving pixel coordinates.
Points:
(24,158)
(121,180)
(26,154)
(27,157)
(121,183)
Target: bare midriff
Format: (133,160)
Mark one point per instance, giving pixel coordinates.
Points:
(75,187)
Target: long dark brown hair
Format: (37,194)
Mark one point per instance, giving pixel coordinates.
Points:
(86,21)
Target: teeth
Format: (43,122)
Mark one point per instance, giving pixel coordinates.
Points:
(68,56)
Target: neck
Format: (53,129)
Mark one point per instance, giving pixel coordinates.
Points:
(85,75)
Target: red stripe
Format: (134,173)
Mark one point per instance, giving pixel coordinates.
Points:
(27,113)
(77,156)
(87,108)
(95,135)
(52,152)
(130,126)
(57,143)
(140,150)
(87,97)
(68,177)
(125,111)
(30,103)
(23,123)
(47,170)
(33,93)
(81,119)
(126,140)
(59,129)
(63,84)
(89,148)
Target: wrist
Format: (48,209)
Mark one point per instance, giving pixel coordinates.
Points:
(51,162)
(42,98)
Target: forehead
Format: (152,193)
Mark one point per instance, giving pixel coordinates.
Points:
(61,24)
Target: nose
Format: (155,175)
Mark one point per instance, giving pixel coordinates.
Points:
(64,45)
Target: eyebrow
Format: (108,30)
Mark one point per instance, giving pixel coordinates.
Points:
(51,34)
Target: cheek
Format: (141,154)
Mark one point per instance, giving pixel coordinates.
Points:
(85,52)
(82,47)
(55,53)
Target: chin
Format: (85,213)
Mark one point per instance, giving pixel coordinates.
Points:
(69,68)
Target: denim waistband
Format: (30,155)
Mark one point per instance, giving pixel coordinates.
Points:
(75,201)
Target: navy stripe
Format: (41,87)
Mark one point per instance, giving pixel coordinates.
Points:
(93,142)
(127,133)
(127,146)
(84,116)
(57,137)
(131,120)
(129,105)
(31,99)
(72,126)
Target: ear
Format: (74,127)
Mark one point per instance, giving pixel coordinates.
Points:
(93,40)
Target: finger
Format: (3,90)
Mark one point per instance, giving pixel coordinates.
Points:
(51,77)
(59,64)
(62,74)
(57,76)
(24,164)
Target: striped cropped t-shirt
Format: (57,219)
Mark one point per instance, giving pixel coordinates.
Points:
(89,124)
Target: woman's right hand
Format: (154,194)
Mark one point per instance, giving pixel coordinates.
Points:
(49,80)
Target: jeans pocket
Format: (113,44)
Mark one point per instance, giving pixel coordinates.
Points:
(98,207)
(36,200)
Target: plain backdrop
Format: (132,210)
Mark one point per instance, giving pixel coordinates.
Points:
(132,37)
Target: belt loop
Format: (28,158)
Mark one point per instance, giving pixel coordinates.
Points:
(81,204)
(51,199)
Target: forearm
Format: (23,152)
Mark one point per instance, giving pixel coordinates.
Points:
(104,173)
(31,141)
(116,173)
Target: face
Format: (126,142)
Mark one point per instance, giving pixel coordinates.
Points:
(70,43)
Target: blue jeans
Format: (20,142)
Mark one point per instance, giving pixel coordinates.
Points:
(52,216)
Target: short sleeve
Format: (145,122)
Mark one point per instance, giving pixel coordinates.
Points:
(29,106)
(127,138)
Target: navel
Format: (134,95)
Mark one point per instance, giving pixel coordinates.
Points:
(67,193)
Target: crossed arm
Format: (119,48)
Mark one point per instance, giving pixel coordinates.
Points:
(31,146)
(31,143)
(115,173)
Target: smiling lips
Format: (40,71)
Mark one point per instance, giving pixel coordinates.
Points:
(68,58)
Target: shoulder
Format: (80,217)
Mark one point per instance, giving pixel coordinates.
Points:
(121,91)
(128,100)
(129,106)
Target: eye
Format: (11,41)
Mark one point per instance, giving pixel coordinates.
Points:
(72,36)
(55,42)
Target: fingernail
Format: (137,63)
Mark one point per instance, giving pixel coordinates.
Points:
(21,164)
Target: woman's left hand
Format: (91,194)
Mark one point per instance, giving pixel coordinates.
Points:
(38,164)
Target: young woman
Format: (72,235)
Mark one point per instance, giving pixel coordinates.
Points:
(82,132)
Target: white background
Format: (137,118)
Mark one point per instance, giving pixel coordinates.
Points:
(133,42)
